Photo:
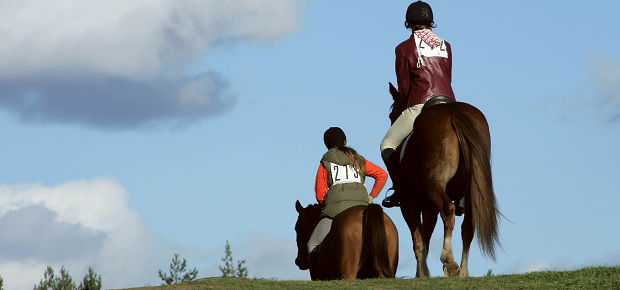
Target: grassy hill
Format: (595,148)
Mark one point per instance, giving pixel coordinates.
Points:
(585,278)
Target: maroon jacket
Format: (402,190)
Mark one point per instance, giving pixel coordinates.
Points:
(423,77)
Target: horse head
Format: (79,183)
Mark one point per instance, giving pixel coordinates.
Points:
(399,105)
(306,222)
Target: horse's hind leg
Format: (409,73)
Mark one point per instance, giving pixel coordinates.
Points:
(429,220)
(414,221)
(446,209)
(467,233)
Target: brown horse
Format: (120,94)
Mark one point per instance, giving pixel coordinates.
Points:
(362,243)
(447,158)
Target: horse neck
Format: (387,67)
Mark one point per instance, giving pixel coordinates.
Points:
(314,213)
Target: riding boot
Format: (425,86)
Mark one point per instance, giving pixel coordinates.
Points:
(393,164)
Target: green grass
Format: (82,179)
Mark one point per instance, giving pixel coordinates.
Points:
(585,278)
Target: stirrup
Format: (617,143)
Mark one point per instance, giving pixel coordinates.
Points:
(388,202)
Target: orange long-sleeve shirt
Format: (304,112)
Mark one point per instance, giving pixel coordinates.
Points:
(321,186)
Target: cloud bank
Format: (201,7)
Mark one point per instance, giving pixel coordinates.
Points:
(88,223)
(123,64)
(76,224)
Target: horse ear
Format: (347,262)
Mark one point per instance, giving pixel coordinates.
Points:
(394,92)
(299,207)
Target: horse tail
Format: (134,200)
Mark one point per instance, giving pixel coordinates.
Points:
(375,261)
(476,155)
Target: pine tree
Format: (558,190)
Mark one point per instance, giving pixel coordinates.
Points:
(176,272)
(242,272)
(91,281)
(489,273)
(64,282)
(229,269)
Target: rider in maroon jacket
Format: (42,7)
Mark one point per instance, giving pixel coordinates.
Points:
(423,71)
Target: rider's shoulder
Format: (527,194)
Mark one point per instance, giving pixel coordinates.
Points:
(407,43)
(334,155)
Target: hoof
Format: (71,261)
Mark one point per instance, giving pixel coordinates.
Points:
(451,270)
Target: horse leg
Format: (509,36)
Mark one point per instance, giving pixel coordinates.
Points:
(446,209)
(414,221)
(467,233)
(429,220)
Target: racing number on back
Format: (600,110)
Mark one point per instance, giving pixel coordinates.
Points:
(343,175)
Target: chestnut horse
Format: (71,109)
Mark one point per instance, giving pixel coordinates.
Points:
(362,243)
(448,157)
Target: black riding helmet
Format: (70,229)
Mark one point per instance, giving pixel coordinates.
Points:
(333,137)
(419,12)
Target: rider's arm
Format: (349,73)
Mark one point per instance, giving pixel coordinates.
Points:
(379,175)
(402,73)
(320,184)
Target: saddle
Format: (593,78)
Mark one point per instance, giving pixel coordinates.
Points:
(400,150)
(436,101)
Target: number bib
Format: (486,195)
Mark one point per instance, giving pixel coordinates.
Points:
(344,174)
(425,50)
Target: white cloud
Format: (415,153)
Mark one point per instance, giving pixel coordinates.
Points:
(605,74)
(88,223)
(33,232)
(129,38)
(22,275)
(76,224)
(118,64)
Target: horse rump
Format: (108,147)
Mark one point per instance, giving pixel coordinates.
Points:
(374,260)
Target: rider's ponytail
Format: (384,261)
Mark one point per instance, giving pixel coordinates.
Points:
(356,161)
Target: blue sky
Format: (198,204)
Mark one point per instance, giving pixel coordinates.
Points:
(164,127)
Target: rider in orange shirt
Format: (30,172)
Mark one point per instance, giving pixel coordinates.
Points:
(340,185)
